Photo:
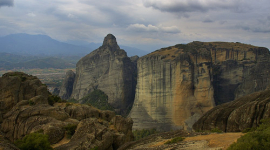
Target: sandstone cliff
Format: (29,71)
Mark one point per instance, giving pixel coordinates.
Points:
(238,115)
(25,110)
(178,84)
(109,69)
(67,85)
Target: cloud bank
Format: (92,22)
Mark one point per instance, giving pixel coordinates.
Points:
(6,3)
(187,6)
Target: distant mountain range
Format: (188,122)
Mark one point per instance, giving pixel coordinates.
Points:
(41,51)
(43,45)
(41,63)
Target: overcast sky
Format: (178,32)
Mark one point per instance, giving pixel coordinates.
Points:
(145,24)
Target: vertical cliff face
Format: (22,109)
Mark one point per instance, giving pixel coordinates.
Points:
(109,69)
(67,85)
(176,85)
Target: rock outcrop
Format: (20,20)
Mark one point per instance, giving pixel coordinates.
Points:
(238,115)
(178,84)
(95,128)
(17,86)
(67,85)
(109,69)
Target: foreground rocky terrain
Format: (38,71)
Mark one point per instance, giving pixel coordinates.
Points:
(25,109)
(178,84)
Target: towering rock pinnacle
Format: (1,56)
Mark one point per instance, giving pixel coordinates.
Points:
(110,41)
(109,69)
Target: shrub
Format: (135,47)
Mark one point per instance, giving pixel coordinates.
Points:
(53,99)
(258,139)
(175,140)
(31,103)
(34,141)
(95,148)
(248,130)
(216,130)
(70,130)
(139,134)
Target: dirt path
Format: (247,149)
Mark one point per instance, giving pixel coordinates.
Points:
(215,140)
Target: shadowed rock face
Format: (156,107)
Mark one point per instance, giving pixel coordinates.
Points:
(245,112)
(109,69)
(67,86)
(178,84)
(25,110)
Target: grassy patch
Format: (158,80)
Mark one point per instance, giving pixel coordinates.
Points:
(216,130)
(139,134)
(175,140)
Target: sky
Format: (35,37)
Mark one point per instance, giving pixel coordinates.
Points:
(144,24)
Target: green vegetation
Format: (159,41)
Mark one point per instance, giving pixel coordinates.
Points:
(98,99)
(249,130)
(255,140)
(53,99)
(175,140)
(31,103)
(34,141)
(70,129)
(216,130)
(139,134)
(72,101)
(95,148)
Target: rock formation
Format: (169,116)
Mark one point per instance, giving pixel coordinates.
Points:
(178,84)
(238,115)
(25,110)
(17,86)
(67,85)
(109,69)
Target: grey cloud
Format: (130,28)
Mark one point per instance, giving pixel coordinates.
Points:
(187,6)
(6,3)
(262,25)
(208,20)
(257,29)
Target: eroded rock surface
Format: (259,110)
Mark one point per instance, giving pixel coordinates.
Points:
(238,115)
(95,128)
(178,84)
(109,69)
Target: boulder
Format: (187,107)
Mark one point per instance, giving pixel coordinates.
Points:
(238,115)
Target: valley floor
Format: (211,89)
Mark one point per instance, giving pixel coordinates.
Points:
(193,141)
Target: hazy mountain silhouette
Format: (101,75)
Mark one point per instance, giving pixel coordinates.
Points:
(35,45)
(38,45)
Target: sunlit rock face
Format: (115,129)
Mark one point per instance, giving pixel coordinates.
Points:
(178,84)
(109,69)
